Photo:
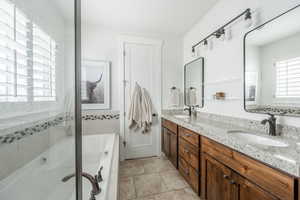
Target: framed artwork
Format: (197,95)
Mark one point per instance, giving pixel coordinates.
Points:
(95,84)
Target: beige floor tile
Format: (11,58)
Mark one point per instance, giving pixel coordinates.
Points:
(173,180)
(157,165)
(131,168)
(149,184)
(127,189)
(183,194)
(146,198)
(172,195)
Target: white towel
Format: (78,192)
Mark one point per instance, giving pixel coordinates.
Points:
(135,109)
(192,97)
(174,97)
(140,110)
(146,105)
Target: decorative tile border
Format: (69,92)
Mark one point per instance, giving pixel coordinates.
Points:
(46,124)
(31,130)
(101,117)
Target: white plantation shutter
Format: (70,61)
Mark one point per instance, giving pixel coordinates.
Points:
(288,78)
(44,50)
(13,53)
(27,58)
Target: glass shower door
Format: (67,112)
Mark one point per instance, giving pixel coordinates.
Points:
(37,99)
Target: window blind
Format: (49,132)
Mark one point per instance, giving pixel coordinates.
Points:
(27,58)
(288,78)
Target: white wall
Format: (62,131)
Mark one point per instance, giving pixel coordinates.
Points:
(225,61)
(99,43)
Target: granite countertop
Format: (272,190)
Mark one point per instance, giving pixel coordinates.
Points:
(286,159)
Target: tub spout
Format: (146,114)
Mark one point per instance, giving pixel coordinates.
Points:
(93,180)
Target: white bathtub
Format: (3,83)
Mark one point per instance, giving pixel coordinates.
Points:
(41,179)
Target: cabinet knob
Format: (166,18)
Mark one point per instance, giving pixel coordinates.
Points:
(225,176)
(186,151)
(232,182)
(187,135)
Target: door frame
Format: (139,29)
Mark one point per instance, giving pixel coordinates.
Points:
(125,39)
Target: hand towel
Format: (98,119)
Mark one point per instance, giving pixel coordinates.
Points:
(192,97)
(135,109)
(147,111)
(175,97)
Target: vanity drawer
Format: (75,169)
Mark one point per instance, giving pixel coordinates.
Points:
(169,125)
(189,136)
(189,174)
(189,153)
(273,181)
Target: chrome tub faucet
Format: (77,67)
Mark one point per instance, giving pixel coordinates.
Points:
(93,180)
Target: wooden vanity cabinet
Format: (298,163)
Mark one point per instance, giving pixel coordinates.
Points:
(189,155)
(215,180)
(222,183)
(244,178)
(217,172)
(166,135)
(170,141)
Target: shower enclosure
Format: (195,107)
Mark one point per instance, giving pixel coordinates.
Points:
(39,101)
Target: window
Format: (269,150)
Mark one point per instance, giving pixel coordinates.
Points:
(27,58)
(288,78)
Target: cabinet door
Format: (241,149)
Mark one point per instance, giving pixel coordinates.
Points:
(173,149)
(246,190)
(166,142)
(216,180)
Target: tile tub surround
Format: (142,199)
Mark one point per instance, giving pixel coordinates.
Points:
(216,127)
(152,179)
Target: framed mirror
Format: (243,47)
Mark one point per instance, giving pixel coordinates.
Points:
(194,83)
(272,66)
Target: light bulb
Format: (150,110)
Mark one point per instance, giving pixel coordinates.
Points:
(210,45)
(205,45)
(248,23)
(198,51)
(222,37)
(193,53)
(228,34)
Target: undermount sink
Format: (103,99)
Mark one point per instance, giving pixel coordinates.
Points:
(182,116)
(256,139)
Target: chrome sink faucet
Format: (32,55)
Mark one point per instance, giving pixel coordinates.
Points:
(93,180)
(191,110)
(272,124)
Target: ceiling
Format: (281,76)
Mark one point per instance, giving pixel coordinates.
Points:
(147,16)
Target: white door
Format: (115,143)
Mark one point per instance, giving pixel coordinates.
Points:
(142,65)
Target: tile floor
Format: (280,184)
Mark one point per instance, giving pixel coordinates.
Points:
(153,179)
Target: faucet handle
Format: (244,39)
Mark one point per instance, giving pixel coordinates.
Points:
(99,177)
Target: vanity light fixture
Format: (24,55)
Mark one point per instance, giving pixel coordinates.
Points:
(221,33)
(248,19)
